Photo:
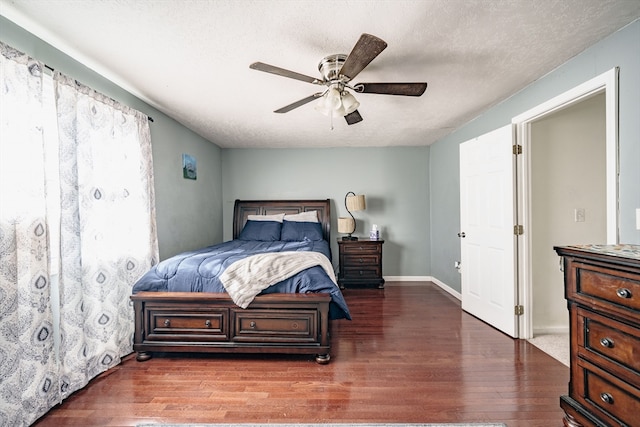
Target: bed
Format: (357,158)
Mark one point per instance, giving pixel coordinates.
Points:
(218,300)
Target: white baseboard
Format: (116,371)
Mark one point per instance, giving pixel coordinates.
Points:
(550,330)
(407,278)
(432,279)
(447,289)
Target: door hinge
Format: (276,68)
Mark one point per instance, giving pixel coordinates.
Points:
(517,149)
(518,230)
(519,310)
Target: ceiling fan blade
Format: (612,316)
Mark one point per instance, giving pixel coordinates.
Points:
(365,50)
(353,118)
(300,103)
(261,66)
(405,89)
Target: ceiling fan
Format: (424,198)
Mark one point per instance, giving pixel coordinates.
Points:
(337,72)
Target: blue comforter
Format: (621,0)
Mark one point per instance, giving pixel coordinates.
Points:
(199,271)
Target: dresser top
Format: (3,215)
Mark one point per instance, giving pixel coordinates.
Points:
(620,251)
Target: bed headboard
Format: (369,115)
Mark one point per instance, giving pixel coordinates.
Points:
(243,208)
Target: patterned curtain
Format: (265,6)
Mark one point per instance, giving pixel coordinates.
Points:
(73,238)
(107,230)
(28,369)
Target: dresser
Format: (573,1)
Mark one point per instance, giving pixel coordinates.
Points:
(360,262)
(602,288)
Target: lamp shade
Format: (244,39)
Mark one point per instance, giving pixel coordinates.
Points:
(356,203)
(346,225)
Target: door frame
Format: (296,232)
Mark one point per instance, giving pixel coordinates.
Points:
(608,83)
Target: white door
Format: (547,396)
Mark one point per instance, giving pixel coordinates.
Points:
(487,219)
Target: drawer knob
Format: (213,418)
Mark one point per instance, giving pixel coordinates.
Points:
(606,398)
(207,323)
(623,293)
(606,342)
(167,323)
(252,324)
(360,261)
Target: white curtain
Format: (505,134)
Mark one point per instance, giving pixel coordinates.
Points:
(28,369)
(86,225)
(108,234)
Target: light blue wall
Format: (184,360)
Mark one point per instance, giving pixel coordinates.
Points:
(395,182)
(178,201)
(412,192)
(621,49)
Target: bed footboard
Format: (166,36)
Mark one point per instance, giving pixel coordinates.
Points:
(212,323)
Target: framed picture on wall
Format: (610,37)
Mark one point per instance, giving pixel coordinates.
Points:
(189,167)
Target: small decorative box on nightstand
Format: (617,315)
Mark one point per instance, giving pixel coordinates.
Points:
(360,262)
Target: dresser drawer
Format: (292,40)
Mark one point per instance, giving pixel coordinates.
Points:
(605,393)
(609,343)
(275,326)
(599,284)
(191,325)
(361,259)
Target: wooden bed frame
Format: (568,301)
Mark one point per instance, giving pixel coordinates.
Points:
(212,323)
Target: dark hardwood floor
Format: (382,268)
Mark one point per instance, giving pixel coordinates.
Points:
(410,355)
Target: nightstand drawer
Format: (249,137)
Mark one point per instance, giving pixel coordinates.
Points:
(361,260)
(364,272)
(362,248)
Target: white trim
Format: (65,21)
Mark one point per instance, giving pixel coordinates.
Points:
(551,330)
(405,279)
(408,278)
(608,83)
(447,289)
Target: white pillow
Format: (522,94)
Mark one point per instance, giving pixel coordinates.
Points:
(309,216)
(274,217)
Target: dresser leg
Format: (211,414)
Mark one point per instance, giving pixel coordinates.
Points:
(569,421)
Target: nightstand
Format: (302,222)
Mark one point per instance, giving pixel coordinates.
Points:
(360,262)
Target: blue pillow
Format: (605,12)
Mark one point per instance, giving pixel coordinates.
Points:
(264,231)
(293,231)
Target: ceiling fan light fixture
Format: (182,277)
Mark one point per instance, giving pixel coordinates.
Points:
(337,102)
(349,103)
(323,105)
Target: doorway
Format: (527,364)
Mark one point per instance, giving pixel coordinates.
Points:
(568,200)
(568,205)
(567,192)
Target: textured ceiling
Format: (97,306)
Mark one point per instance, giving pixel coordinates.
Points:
(190,58)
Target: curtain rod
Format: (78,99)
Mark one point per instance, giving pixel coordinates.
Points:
(48,67)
